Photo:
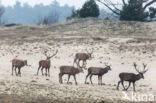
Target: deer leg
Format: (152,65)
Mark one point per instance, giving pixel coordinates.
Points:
(128,86)
(60,78)
(75,79)
(87,77)
(48,72)
(83,66)
(98,80)
(19,71)
(118,85)
(42,70)
(91,79)
(74,61)
(101,79)
(84,63)
(16,71)
(12,70)
(122,82)
(68,78)
(133,86)
(38,70)
(79,64)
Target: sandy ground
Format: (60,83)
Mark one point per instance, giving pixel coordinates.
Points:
(119,51)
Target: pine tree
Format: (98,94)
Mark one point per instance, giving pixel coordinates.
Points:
(133,11)
(89,9)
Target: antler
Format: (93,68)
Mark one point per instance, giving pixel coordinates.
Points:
(106,64)
(144,65)
(89,52)
(45,53)
(54,54)
(135,66)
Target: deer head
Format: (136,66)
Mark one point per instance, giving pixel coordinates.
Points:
(90,53)
(25,62)
(108,66)
(50,56)
(141,74)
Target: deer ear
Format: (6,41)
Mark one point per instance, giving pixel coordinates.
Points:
(106,64)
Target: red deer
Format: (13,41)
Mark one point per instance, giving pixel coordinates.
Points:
(82,57)
(17,63)
(97,71)
(131,77)
(70,70)
(46,64)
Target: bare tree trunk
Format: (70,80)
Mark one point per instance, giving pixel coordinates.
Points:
(111,5)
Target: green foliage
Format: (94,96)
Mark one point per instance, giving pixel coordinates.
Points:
(152,13)
(89,9)
(133,11)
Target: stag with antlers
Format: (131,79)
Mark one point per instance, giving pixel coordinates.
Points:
(82,57)
(46,64)
(131,77)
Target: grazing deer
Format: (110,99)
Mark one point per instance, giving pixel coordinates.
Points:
(84,57)
(46,63)
(131,77)
(17,63)
(70,70)
(97,71)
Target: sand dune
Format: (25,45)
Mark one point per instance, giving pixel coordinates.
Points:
(116,43)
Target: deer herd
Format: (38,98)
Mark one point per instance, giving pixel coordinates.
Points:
(72,70)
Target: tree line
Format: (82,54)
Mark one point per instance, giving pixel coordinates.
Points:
(130,10)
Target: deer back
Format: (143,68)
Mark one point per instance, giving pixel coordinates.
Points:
(95,70)
(129,76)
(82,56)
(18,63)
(69,70)
(44,63)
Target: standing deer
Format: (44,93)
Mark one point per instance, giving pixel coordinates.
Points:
(70,70)
(97,71)
(17,63)
(131,77)
(46,64)
(82,57)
